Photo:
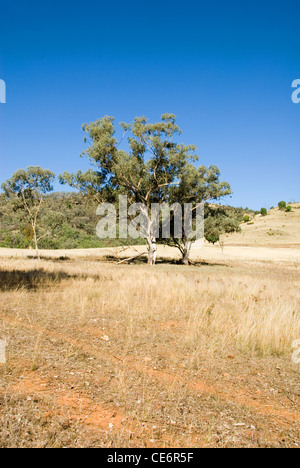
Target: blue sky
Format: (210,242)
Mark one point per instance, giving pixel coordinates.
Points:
(225,68)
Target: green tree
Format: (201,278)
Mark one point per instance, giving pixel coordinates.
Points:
(219,220)
(197,185)
(264,211)
(282,205)
(152,164)
(27,190)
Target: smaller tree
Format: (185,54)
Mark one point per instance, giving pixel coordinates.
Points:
(219,220)
(196,186)
(282,205)
(264,211)
(28,189)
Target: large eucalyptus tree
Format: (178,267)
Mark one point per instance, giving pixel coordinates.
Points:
(147,165)
(144,172)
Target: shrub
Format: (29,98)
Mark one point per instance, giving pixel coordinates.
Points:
(282,205)
(246,219)
(213,237)
(288,209)
(264,211)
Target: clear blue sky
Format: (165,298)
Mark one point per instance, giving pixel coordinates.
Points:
(225,69)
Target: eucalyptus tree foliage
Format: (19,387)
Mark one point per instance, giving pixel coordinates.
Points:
(220,220)
(152,163)
(150,167)
(27,189)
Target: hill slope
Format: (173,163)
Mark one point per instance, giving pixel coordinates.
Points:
(277,229)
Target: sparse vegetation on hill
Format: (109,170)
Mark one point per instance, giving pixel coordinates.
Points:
(68,219)
(279,227)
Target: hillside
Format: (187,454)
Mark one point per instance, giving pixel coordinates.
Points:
(277,229)
(68,221)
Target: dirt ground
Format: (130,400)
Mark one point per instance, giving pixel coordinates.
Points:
(105,355)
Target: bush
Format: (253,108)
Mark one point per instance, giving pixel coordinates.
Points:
(282,205)
(288,209)
(246,219)
(264,211)
(213,237)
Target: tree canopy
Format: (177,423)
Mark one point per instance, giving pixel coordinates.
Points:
(147,165)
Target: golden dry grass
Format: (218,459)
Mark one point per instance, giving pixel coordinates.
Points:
(277,229)
(105,355)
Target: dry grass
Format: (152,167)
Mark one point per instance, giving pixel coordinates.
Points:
(276,229)
(169,356)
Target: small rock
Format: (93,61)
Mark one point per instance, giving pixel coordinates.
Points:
(105,338)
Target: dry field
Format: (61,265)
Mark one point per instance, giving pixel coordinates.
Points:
(100,355)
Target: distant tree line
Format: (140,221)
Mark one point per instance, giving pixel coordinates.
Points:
(66,221)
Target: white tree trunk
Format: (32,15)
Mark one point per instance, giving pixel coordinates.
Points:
(37,253)
(152,250)
(150,238)
(186,253)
